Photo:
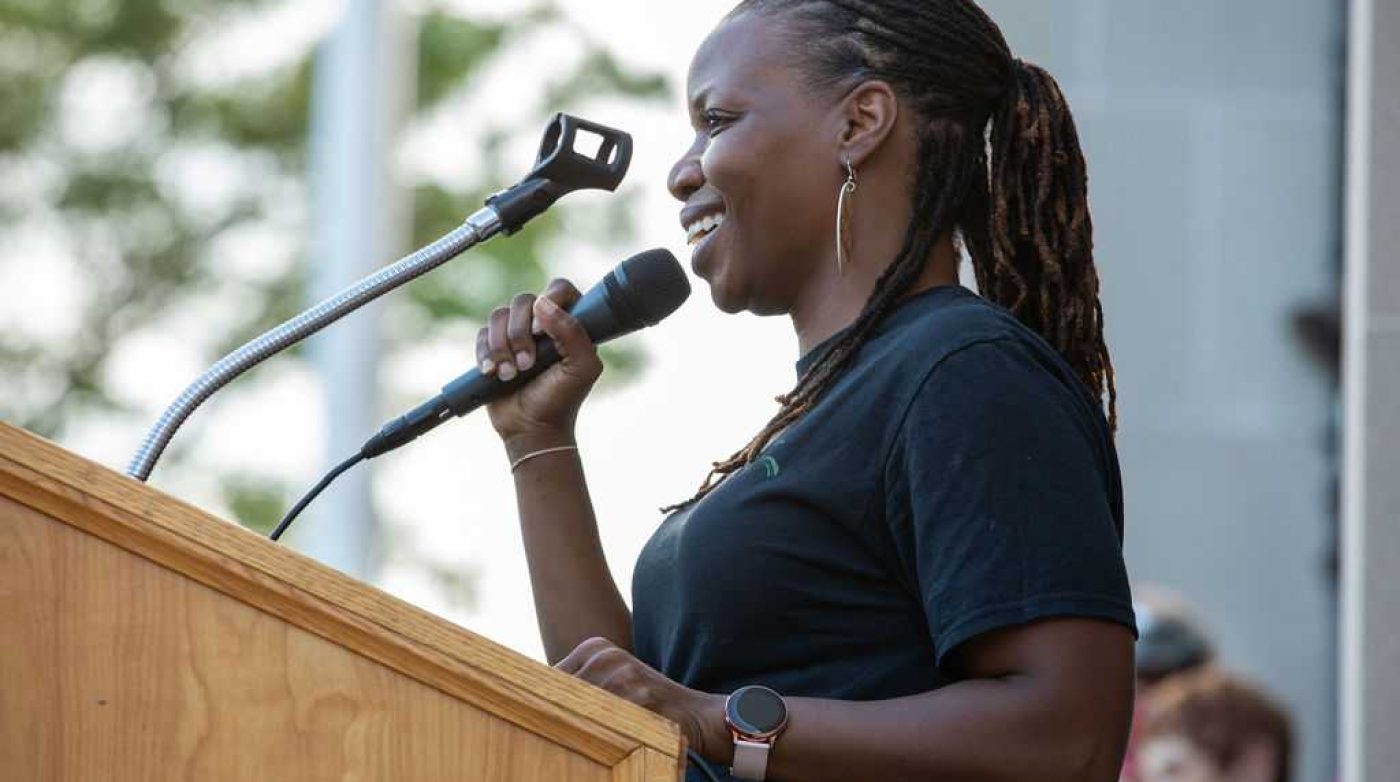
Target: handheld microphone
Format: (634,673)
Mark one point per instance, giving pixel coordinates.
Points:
(640,292)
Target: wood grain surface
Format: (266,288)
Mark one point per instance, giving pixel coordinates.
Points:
(138,633)
(648,765)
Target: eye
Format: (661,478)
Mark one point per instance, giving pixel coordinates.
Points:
(715,121)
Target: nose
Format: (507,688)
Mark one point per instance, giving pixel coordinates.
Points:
(686,175)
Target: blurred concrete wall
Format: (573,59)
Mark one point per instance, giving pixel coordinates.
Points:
(1213,134)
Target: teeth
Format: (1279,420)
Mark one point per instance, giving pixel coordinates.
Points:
(701,228)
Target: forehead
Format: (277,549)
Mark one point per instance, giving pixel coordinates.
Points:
(743,51)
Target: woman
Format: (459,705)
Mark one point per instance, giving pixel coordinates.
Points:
(921,553)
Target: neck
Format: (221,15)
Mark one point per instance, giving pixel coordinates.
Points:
(832,301)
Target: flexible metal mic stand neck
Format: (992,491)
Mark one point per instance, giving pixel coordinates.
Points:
(559,170)
(478,228)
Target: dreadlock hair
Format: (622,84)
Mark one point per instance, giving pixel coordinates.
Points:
(1023,216)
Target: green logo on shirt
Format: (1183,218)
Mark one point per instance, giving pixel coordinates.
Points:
(770,466)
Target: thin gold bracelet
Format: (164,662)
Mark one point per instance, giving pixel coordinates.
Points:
(527,457)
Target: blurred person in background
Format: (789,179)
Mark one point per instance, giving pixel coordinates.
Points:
(1209,726)
(1170,642)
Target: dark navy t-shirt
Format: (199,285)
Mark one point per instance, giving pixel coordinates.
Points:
(957,478)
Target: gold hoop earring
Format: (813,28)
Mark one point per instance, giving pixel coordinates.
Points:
(843,231)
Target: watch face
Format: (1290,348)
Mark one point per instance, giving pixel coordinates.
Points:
(757,710)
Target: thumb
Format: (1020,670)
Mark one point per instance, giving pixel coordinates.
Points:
(576,349)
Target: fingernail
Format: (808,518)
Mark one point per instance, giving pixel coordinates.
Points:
(549,304)
(507,371)
(524,360)
(487,366)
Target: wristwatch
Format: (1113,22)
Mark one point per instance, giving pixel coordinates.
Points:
(755,716)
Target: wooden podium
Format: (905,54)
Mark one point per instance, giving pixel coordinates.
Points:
(143,639)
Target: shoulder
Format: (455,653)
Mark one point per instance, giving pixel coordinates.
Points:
(950,372)
(956,341)
(969,372)
(939,322)
(996,424)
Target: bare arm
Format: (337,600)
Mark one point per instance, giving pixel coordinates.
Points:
(575,596)
(1047,701)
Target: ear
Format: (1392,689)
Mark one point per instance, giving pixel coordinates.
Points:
(868,116)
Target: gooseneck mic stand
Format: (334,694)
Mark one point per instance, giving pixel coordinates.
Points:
(559,170)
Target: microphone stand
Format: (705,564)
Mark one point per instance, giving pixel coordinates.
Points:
(558,170)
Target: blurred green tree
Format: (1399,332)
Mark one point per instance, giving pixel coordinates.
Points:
(114,190)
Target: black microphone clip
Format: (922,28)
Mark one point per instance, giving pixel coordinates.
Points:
(561,169)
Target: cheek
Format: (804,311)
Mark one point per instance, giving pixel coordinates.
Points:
(734,164)
(764,167)
(775,195)
(731,166)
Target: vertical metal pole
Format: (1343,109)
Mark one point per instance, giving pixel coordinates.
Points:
(1370,688)
(355,226)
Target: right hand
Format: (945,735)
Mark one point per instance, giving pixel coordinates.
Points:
(541,413)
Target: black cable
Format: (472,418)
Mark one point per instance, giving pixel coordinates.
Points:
(700,763)
(311,495)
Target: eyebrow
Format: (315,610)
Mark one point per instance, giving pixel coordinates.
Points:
(695,106)
(699,100)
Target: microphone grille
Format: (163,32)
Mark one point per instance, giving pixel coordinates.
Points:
(654,283)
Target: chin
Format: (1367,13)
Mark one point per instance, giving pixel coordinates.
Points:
(733,295)
(731,304)
(725,300)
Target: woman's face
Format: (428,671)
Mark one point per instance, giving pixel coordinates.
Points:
(1170,758)
(1175,759)
(760,179)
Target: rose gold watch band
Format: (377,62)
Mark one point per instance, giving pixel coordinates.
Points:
(751,758)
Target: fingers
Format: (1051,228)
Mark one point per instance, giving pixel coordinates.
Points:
(577,352)
(604,664)
(518,336)
(600,662)
(506,345)
(498,355)
(575,661)
(562,292)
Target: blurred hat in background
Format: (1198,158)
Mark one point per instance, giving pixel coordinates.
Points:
(1170,639)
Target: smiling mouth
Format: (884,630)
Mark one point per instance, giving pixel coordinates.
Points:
(698,230)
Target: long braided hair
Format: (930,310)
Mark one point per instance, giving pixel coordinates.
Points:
(1024,217)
